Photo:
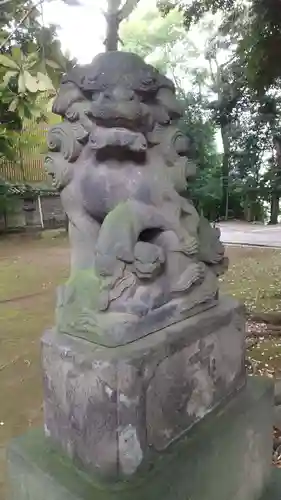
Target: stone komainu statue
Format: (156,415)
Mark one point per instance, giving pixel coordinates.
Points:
(141,257)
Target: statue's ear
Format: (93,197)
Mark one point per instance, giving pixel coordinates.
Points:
(68,139)
(156,135)
(59,169)
(67,95)
(167,98)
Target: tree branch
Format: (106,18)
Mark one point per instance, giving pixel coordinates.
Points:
(213,77)
(127,9)
(24,17)
(113,8)
(3,2)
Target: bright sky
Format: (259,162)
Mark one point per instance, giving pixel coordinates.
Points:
(82,29)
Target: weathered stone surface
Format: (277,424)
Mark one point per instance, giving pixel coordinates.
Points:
(110,408)
(277,416)
(273,491)
(277,392)
(120,163)
(226,457)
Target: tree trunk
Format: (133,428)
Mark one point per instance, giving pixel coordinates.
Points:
(111,42)
(276,181)
(274,209)
(66,224)
(115,14)
(247,209)
(113,22)
(225,172)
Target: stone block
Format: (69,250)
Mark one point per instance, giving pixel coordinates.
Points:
(277,416)
(112,409)
(227,456)
(273,491)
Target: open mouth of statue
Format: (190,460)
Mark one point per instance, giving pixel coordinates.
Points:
(121,155)
(118,143)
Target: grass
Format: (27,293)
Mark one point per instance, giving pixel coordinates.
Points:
(26,267)
(31,266)
(254,277)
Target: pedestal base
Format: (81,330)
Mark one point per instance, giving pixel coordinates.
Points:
(227,456)
(111,409)
(273,492)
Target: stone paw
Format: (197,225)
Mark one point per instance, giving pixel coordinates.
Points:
(109,267)
(124,253)
(191,246)
(194,273)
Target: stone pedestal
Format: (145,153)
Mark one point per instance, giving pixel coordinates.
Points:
(168,417)
(113,410)
(274,488)
(227,456)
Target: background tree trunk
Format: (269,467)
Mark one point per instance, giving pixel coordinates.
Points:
(116,13)
(225,172)
(274,209)
(66,224)
(275,195)
(113,22)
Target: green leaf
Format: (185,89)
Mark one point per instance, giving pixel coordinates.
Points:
(8,75)
(36,112)
(52,64)
(50,105)
(17,55)
(14,104)
(31,64)
(44,82)
(8,62)
(21,83)
(23,111)
(30,82)
(31,60)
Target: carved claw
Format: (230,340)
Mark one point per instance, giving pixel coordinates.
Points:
(195,273)
(191,246)
(108,266)
(104,300)
(124,254)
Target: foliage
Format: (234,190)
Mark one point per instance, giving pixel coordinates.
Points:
(193,11)
(31,61)
(218,99)
(31,66)
(164,42)
(258,44)
(154,37)
(206,189)
(21,82)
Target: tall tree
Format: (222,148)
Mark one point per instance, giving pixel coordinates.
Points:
(165,43)
(259,47)
(217,97)
(116,12)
